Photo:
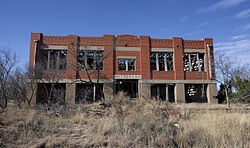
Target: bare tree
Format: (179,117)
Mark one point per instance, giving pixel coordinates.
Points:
(17,87)
(227,69)
(23,85)
(49,79)
(7,63)
(90,62)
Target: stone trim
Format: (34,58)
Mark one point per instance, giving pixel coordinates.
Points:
(53,47)
(194,50)
(126,57)
(128,48)
(179,81)
(91,48)
(74,81)
(136,77)
(162,50)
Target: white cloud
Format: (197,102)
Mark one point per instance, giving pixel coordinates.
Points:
(241,36)
(243,14)
(236,48)
(223,4)
(243,28)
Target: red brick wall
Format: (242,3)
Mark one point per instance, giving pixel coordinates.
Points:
(109,42)
(207,41)
(163,75)
(73,43)
(108,56)
(135,54)
(145,52)
(178,58)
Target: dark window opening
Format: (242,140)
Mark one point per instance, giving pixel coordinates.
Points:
(131,64)
(91,60)
(153,61)
(54,59)
(195,93)
(85,93)
(193,61)
(50,93)
(126,64)
(163,92)
(161,61)
(122,64)
(130,87)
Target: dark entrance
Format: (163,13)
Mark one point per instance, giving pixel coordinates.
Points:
(50,93)
(85,93)
(195,93)
(164,92)
(130,87)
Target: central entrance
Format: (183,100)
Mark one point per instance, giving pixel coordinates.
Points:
(128,86)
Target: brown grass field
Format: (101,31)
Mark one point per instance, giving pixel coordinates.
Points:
(126,123)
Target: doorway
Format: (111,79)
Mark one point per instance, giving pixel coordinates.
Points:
(130,87)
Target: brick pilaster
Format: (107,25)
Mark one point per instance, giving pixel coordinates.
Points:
(36,40)
(145,61)
(109,58)
(209,57)
(178,58)
(73,43)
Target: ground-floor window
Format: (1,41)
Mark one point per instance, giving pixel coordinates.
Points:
(164,92)
(89,93)
(130,87)
(195,93)
(50,93)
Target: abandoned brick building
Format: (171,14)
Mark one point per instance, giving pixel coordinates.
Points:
(174,70)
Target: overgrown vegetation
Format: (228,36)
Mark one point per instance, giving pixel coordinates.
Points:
(123,122)
(234,79)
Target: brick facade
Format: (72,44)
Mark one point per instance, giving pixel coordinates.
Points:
(138,47)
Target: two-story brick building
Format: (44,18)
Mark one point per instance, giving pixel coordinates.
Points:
(174,70)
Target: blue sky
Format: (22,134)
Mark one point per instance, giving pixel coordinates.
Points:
(227,21)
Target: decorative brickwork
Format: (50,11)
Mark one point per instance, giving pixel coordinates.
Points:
(138,47)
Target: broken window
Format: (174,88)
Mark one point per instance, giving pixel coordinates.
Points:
(153,61)
(126,64)
(54,59)
(50,93)
(161,61)
(164,92)
(131,64)
(91,60)
(122,64)
(195,93)
(193,61)
(88,93)
(130,87)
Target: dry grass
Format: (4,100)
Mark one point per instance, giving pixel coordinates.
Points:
(126,123)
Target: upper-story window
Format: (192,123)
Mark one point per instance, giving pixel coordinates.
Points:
(90,59)
(126,64)
(54,59)
(161,61)
(193,62)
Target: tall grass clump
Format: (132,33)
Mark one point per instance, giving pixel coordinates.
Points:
(124,122)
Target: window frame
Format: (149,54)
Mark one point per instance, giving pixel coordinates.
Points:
(126,59)
(165,60)
(83,59)
(200,62)
(46,59)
